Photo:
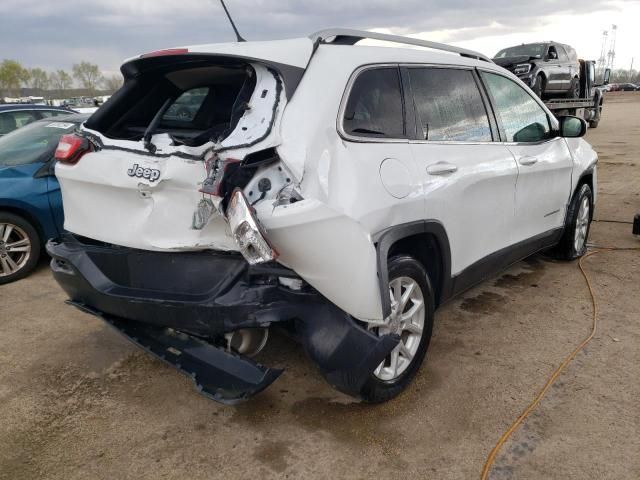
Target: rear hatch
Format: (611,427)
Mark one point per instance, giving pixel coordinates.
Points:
(158,143)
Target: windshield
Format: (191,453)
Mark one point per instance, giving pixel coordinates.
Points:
(530,50)
(28,144)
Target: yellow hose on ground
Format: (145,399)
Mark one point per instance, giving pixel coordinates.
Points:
(594,326)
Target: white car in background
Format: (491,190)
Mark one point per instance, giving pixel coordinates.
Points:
(340,191)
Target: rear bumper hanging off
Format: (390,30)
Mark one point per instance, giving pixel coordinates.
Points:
(219,374)
(168,303)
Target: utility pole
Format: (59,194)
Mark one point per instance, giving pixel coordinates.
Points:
(602,59)
(612,50)
(631,70)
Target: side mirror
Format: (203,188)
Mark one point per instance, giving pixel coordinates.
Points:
(534,132)
(607,76)
(572,127)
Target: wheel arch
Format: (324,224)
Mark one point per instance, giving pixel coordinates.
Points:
(427,242)
(541,73)
(28,216)
(585,178)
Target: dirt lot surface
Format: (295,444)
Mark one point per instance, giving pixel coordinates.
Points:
(80,402)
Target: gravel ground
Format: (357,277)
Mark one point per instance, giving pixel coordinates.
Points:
(81,402)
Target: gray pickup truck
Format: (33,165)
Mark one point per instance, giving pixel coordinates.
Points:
(550,69)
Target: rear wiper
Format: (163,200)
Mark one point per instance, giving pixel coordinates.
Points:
(148,133)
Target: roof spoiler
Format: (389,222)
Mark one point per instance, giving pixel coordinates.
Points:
(346,36)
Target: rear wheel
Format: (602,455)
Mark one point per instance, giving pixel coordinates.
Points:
(574,89)
(594,123)
(411,318)
(19,247)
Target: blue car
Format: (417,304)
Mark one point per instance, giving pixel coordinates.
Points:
(30,199)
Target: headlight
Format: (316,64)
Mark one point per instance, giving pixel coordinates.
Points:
(247,231)
(522,68)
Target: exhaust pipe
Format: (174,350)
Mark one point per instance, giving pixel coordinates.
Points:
(247,341)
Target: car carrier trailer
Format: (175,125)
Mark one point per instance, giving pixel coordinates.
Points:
(589,105)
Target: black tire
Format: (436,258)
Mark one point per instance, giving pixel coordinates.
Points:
(596,122)
(33,255)
(377,390)
(566,249)
(538,87)
(574,88)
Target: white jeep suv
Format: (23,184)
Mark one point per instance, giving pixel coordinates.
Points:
(340,191)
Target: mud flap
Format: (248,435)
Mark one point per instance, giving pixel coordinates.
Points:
(346,353)
(223,376)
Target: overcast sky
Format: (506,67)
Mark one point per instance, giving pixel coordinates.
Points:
(57,34)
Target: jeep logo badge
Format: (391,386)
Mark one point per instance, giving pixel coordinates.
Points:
(150,174)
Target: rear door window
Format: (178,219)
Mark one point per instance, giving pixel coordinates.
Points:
(562,55)
(375,108)
(449,106)
(186,106)
(523,120)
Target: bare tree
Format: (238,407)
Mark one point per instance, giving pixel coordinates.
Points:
(112,83)
(622,76)
(38,79)
(88,76)
(61,80)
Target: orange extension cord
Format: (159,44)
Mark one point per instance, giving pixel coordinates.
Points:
(594,326)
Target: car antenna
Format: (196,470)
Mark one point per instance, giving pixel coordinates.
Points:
(233,25)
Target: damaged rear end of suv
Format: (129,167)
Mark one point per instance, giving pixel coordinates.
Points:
(191,229)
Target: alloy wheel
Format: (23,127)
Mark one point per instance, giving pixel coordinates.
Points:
(582,225)
(15,249)
(407,321)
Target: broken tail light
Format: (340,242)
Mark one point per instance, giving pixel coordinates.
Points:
(247,231)
(71,148)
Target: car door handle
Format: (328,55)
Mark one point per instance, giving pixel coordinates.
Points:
(527,161)
(441,168)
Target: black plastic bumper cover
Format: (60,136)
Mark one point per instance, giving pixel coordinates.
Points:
(202,293)
(161,300)
(221,375)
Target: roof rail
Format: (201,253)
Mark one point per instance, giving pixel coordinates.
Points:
(346,36)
